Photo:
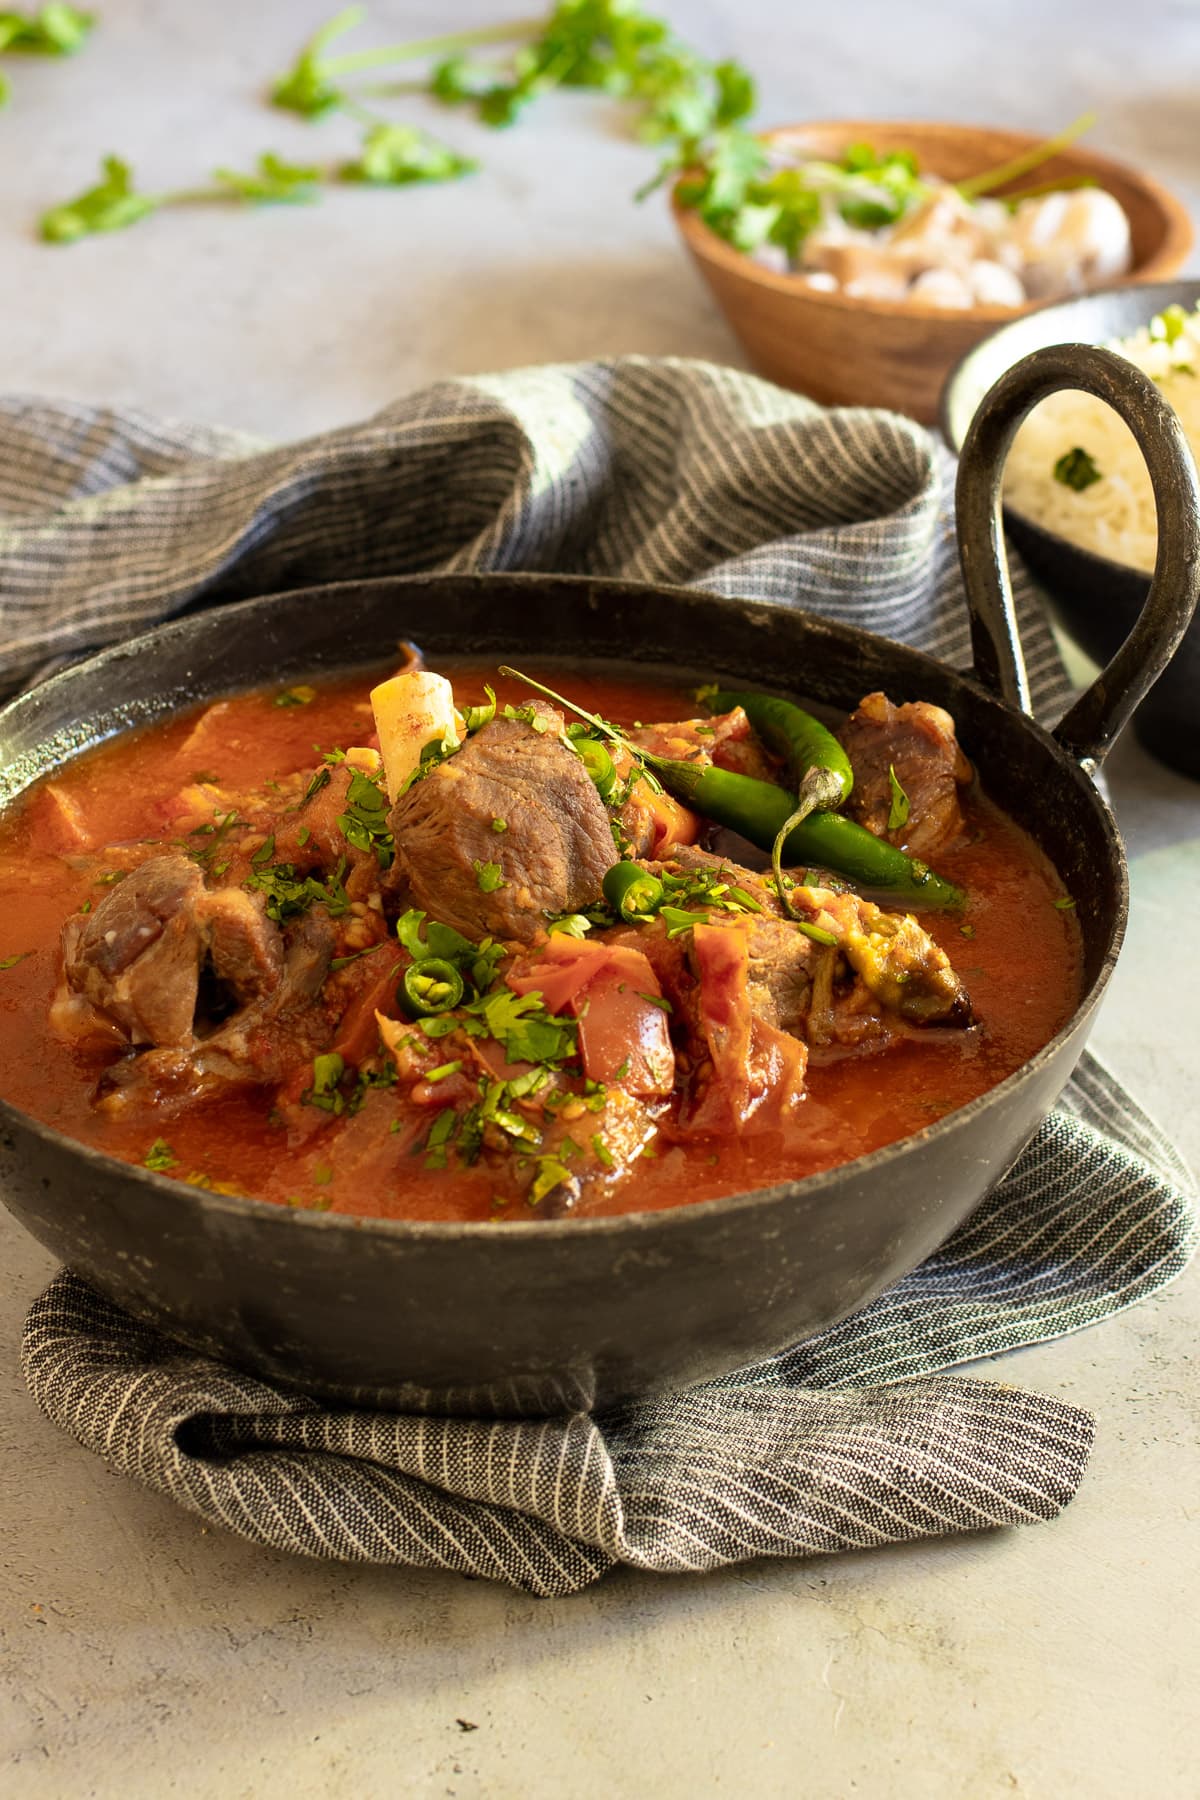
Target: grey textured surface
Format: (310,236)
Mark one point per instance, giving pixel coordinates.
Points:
(140,1655)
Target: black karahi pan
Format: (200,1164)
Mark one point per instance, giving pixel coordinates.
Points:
(555,1314)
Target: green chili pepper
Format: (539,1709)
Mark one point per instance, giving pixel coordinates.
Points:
(631,890)
(430,986)
(795,735)
(599,765)
(759,811)
(816,762)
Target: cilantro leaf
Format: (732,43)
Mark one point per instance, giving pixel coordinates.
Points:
(159,1156)
(364,824)
(439,940)
(288,894)
(1076,470)
(899,810)
(307,88)
(325,1093)
(489,877)
(273,182)
(109,206)
(528,1032)
(54,30)
(395,155)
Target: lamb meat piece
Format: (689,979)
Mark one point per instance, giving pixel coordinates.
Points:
(161,949)
(513,797)
(285,1025)
(310,837)
(137,958)
(916,740)
(780,971)
(244,949)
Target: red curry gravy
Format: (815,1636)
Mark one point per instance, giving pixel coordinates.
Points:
(1017,949)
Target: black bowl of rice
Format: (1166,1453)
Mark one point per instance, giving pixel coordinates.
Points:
(1077,498)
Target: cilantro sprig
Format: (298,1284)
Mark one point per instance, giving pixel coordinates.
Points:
(114,203)
(604,46)
(391,155)
(313,86)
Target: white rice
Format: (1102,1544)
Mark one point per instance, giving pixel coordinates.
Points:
(1114,516)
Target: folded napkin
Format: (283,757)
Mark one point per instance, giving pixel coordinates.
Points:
(659,471)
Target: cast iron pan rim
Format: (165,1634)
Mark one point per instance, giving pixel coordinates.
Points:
(875,1162)
(1093,565)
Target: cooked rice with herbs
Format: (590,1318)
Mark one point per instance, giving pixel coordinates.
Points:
(1075,467)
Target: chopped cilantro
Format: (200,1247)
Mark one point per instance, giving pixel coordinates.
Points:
(899,810)
(574,925)
(489,876)
(1065,904)
(433,754)
(364,824)
(10,962)
(1076,470)
(528,1032)
(444,1069)
(159,1156)
(288,894)
(340,962)
(216,832)
(499,824)
(440,1134)
(603,1153)
(475,717)
(327,1072)
(551,1173)
(678,920)
(296,696)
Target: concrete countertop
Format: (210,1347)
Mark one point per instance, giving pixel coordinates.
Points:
(141,1654)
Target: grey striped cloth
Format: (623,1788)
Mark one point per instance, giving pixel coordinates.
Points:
(656,470)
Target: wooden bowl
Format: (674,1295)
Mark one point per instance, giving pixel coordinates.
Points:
(892,353)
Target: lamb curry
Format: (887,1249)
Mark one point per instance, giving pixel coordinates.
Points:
(463,945)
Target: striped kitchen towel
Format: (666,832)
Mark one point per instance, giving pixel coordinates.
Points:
(658,471)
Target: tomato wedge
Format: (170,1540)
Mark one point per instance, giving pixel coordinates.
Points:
(624,1035)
